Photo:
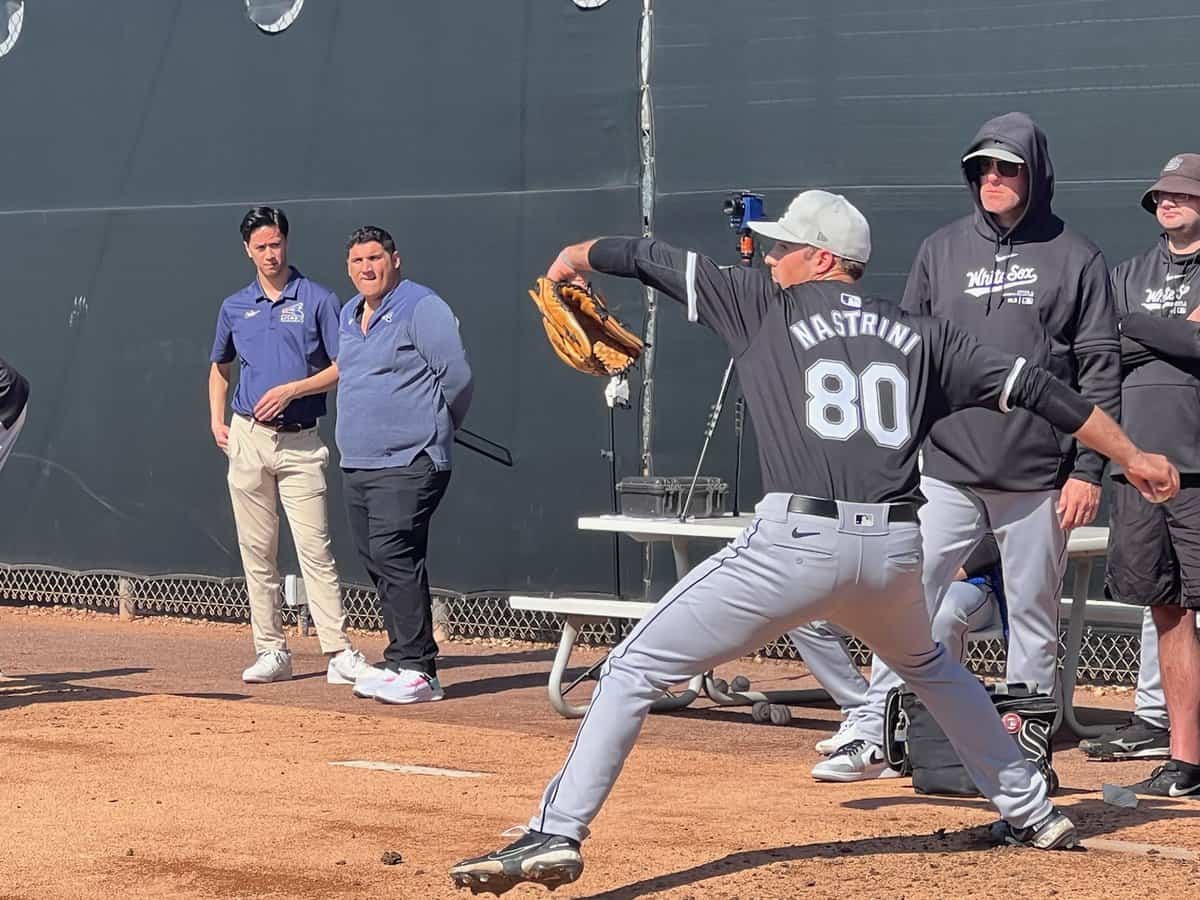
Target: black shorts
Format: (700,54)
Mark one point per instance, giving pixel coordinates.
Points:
(1154,548)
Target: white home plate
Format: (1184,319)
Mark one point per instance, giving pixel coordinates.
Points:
(408,770)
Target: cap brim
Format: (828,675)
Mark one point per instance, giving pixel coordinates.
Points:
(1172,184)
(995,153)
(774,231)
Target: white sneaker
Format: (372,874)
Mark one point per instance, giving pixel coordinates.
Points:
(847,732)
(347,666)
(371,680)
(271,665)
(858,760)
(410,686)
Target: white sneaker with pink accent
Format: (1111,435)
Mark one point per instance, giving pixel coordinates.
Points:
(409,686)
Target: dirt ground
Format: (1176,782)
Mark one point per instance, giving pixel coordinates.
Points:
(134,763)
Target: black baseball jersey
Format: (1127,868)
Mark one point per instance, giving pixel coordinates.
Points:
(842,388)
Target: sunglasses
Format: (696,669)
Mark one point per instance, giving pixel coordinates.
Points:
(1176,199)
(1003,167)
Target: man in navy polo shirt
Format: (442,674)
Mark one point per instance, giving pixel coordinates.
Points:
(404,388)
(283,330)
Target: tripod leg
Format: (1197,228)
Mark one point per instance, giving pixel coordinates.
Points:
(708,433)
(612,480)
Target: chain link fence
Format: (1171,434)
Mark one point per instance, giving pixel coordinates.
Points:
(1110,655)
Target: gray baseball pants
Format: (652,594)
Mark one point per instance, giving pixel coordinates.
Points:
(1149,702)
(857,571)
(965,608)
(822,646)
(1033,553)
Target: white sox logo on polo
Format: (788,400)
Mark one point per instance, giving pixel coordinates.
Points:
(293,314)
(251,313)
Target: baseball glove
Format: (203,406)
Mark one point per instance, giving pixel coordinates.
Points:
(584,334)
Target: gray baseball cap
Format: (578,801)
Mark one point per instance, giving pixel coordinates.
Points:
(1180,175)
(994,150)
(825,220)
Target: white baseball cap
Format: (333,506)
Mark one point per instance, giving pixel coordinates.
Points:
(825,220)
(994,150)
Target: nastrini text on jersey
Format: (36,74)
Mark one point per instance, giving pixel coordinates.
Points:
(822,326)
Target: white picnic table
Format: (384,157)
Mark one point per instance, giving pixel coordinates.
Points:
(1084,545)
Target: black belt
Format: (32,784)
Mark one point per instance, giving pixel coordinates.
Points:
(828,509)
(289,427)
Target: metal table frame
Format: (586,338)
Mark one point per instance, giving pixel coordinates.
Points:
(1084,545)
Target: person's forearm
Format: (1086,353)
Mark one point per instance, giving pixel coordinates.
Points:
(575,257)
(218,391)
(317,384)
(1167,337)
(1101,433)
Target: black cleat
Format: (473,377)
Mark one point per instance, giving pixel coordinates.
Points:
(1055,832)
(547,859)
(1137,739)
(1172,779)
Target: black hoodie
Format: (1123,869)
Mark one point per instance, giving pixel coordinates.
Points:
(14,394)
(1155,292)
(1039,290)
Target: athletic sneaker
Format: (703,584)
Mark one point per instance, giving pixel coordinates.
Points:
(271,665)
(1172,779)
(547,859)
(409,686)
(347,666)
(1136,739)
(1055,832)
(847,732)
(371,680)
(858,760)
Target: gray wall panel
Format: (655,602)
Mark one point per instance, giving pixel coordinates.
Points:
(485,135)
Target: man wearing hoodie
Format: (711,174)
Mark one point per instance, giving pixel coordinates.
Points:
(1015,276)
(1154,550)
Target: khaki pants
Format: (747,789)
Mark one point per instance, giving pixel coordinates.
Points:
(262,464)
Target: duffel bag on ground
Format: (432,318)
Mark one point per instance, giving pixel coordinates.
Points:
(915,744)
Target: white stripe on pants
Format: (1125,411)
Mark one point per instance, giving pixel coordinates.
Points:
(784,570)
(264,464)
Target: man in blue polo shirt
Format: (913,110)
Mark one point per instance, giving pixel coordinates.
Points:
(283,330)
(404,388)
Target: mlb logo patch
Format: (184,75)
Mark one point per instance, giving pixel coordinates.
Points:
(852,300)
(864,520)
(293,314)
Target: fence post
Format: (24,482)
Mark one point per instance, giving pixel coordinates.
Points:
(126,602)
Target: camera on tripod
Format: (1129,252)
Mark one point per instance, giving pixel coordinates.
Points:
(743,208)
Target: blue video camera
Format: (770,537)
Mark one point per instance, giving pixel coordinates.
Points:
(743,208)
